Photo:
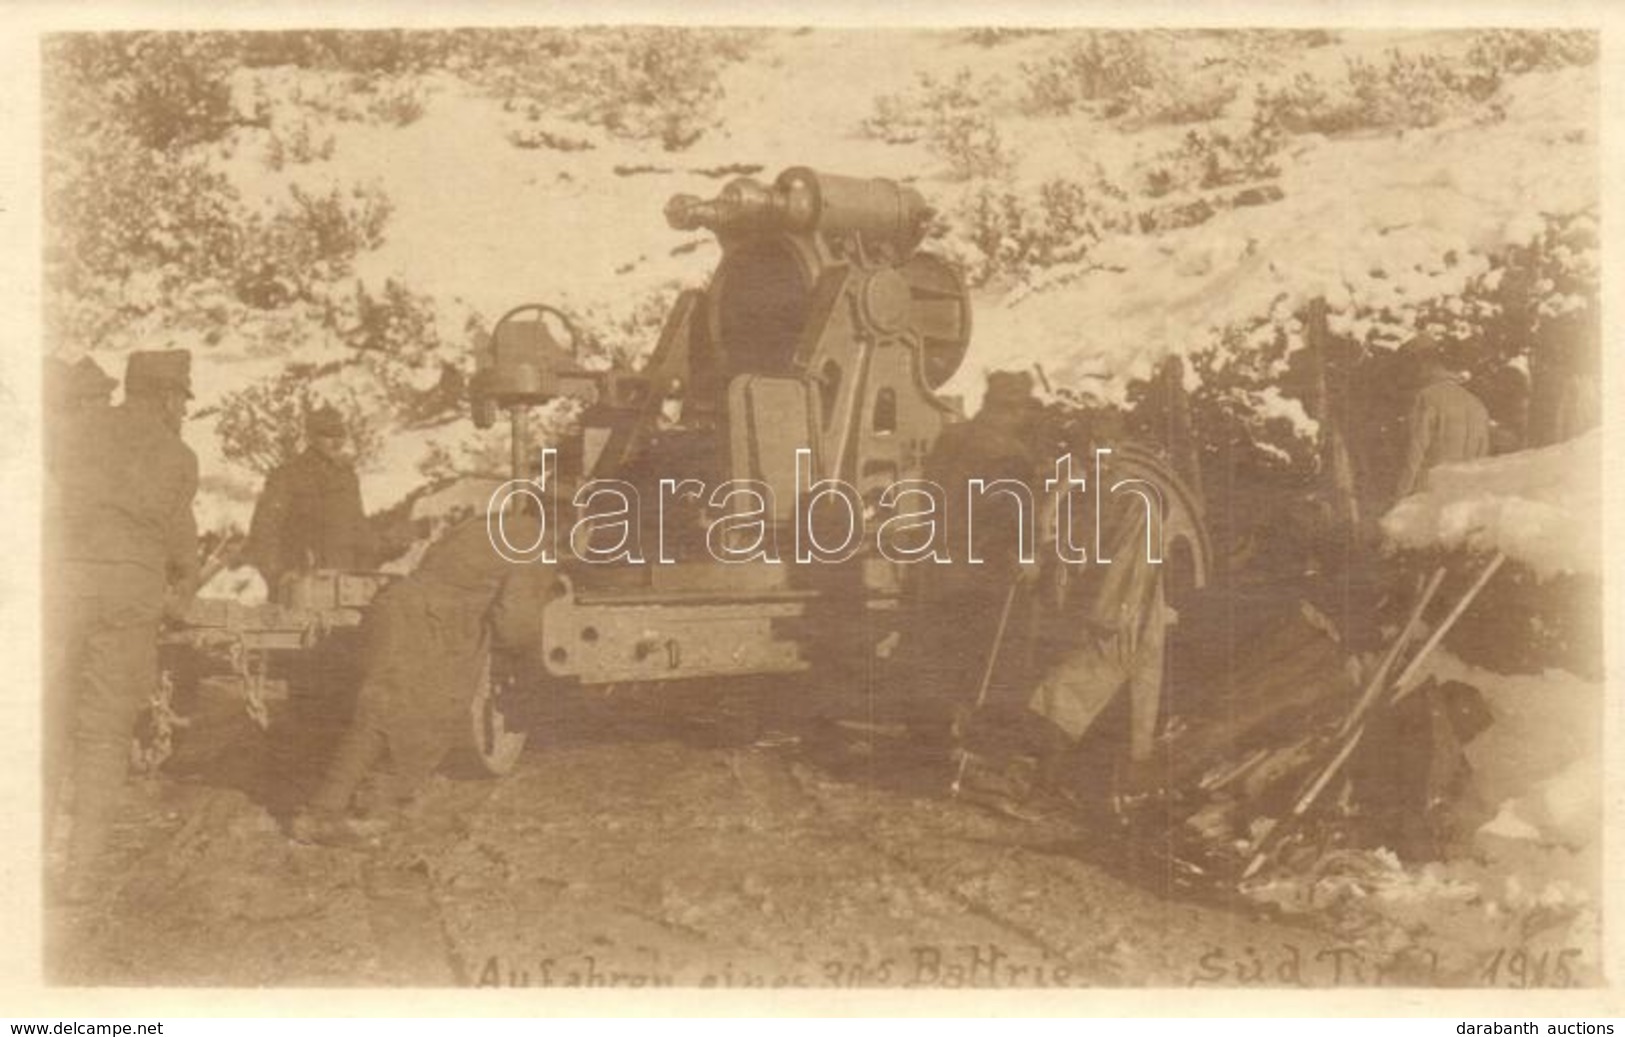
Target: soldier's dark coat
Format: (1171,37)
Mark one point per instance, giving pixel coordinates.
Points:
(957,605)
(424,641)
(119,535)
(310,517)
(982,524)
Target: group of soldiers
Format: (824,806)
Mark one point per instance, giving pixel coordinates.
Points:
(121,549)
(976,627)
(123,553)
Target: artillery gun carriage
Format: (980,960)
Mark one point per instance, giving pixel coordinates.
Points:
(814,357)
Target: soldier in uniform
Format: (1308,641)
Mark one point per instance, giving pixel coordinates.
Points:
(121,544)
(1120,651)
(424,641)
(310,515)
(1447,422)
(958,605)
(76,386)
(1023,737)
(71,391)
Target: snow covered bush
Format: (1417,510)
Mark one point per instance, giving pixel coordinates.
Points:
(912,114)
(145,231)
(625,333)
(1403,91)
(1105,66)
(371,52)
(398,322)
(283,256)
(1174,100)
(288,47)
(1516,51)
(1527,331)
(165,89)
(401,374)
(360,97)
(1209,158)
(1523,329)
(532,138)
(300,145)
(951,116)
(896,119)
(638,83)
(355,76)
(118,212)
(971,145)
(1002,233)
(395,103)
(414,371)
(132,211)
(416,374)
(1244,402)
(335,227)
(993,36)
(1416,90)
(132,232)
(1126,73)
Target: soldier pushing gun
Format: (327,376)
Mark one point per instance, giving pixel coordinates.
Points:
(424,642)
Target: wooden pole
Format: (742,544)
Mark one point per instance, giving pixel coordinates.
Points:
(1275,836)
(1400,682)
(1182,443)
(1402,685)
(519,432)
(1379,679)
(1334,452)
(987,674)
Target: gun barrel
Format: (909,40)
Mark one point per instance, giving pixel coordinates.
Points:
(881,212)
(743,204)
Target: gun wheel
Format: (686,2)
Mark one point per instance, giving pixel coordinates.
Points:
(498,735)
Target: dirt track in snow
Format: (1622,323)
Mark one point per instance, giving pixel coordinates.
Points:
(648,848)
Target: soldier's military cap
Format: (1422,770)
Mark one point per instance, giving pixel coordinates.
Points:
(75,383)
(155,372)
(86,379)
(325,421)
(1009,390)
(1423,347)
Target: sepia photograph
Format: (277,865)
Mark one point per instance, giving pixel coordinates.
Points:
(771,509)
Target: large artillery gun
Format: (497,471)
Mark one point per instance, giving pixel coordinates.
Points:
(816,352)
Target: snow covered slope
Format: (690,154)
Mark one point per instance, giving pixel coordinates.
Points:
(1376,219)
(1543,508)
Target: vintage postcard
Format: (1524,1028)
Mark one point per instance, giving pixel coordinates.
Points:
(951,515)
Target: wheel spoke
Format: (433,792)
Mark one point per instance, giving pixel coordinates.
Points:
(497,743)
